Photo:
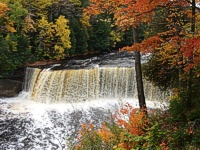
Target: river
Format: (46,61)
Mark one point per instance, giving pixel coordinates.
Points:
(57,99)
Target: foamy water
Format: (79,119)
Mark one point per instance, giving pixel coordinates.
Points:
(25,124)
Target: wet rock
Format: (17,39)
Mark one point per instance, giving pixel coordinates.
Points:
(10,88)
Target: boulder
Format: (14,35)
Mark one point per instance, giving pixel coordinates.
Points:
(10,88)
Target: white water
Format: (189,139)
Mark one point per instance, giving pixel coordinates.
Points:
(28,125)
(53,105)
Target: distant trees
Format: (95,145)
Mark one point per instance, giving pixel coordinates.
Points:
(51,29)
(53,39)
(14,47)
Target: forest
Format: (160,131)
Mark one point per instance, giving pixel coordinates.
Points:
(53,30)
(168,30)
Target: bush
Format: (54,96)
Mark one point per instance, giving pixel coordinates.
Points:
(129,128)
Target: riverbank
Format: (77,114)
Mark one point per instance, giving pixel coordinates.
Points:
(10,88)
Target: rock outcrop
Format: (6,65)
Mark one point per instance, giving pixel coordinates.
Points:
(10,88)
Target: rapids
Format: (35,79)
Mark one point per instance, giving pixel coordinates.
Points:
(29,125)
(57,99)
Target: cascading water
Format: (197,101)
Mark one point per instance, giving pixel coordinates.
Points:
(56,101)
(49,86)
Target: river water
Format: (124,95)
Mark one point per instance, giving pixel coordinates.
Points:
(56,100)
(28,125)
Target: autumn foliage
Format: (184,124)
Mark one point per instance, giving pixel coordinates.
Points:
(175,40)
(130,128)
(3,9)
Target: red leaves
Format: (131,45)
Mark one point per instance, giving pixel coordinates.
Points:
(131,119)
(191,47)
(191,51)
(146,46)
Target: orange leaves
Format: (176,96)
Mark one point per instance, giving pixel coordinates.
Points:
(135,121)
(129,129)
(175,51)
(6,24)
(105,134)
(133,13)
(99,6)
(127,13)
(128,122)
(146,46)
(132,121)
(191,51)
(3,9)
(91,135)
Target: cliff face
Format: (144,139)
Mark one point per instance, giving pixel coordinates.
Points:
(10,88)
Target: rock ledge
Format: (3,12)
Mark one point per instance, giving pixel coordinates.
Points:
(10,88)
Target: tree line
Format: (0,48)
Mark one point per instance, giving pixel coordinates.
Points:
(53,30)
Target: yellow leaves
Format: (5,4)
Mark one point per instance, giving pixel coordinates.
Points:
(85,20)
(59,51)
(198,24)
(115,36)
(61,21)
(43,23)
(10,28)
(56,35)
(62,31)
(45,28)
(41,6)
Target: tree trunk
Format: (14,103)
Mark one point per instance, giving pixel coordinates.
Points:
(189,82)
(138,69)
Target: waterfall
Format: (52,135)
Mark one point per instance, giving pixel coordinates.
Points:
(55,103)
(58,86)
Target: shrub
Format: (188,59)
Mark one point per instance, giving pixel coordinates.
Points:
(129,128)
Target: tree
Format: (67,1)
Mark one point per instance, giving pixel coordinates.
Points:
(180,41)
(175,59)
(102,35)
(129,14)
(53,38)
(15,44)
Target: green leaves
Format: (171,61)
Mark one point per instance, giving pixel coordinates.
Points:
(17,14)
